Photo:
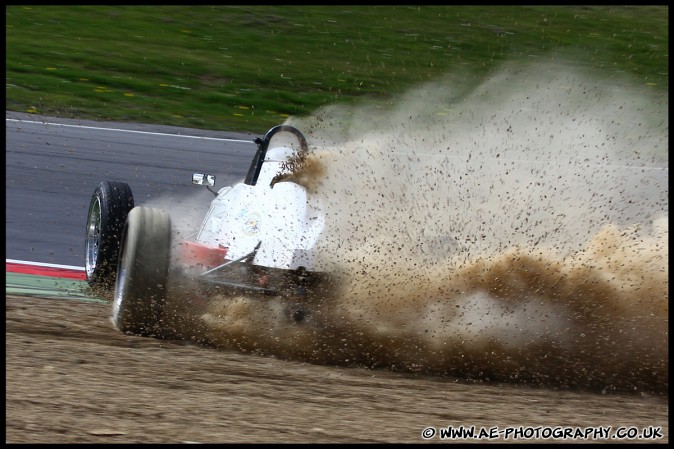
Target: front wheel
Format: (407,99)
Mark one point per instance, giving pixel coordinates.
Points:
(142,272)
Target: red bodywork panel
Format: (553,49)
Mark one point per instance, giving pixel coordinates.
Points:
(195,254)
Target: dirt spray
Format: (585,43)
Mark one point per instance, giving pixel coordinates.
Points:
(515,230)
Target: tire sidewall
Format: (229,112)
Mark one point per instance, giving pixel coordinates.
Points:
(142,272)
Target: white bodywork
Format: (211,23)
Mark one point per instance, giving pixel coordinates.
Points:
(286,218)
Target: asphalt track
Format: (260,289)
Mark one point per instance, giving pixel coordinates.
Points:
(54,165)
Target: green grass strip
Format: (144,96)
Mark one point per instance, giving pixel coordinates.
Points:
(48,287)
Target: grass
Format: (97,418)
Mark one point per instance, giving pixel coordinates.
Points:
(247,68)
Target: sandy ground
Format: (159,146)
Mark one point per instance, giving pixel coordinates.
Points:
(72,378)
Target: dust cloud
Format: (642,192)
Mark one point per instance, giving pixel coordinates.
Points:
(515,230)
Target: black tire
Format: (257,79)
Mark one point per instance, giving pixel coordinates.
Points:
(142,272)
(110,204)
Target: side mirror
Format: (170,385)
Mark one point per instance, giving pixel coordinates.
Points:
(203,180)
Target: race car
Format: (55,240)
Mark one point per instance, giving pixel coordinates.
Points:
(257,237)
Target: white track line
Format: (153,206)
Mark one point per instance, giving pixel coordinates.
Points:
(128,131)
